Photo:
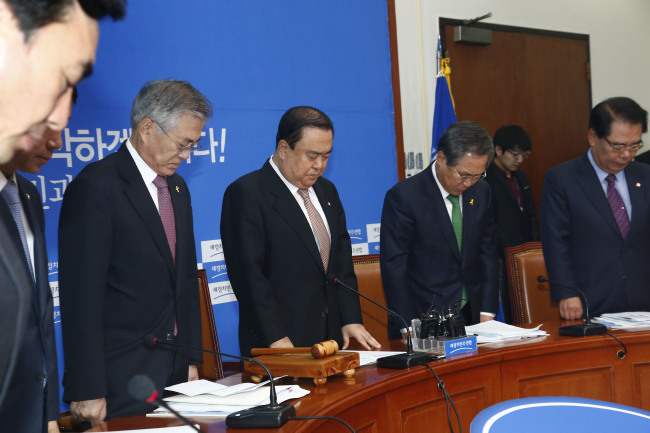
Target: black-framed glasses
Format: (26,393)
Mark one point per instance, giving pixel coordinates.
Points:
(470,177)
(181,149)
(620,147)
(522,155)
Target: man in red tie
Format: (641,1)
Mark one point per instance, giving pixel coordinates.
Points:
(127,259)
(594,217)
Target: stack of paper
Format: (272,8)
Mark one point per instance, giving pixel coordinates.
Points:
(205,398)
(494,330)
(633,319)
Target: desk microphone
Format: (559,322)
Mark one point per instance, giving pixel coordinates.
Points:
(584,329)
(142,388)
(402,360)
(271,415)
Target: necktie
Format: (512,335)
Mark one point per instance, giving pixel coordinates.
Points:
(166,212)
(617,205)
(318,226)
(457,224)
(11,197)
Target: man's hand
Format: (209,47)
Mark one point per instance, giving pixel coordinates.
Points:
(93,411)
(52,427)
(283,342)
(485,318)
(359,333)
(571,308)
(193,373)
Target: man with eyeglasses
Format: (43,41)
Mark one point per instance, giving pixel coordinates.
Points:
(438,245)
(514,211)
(127,259)
(594,217)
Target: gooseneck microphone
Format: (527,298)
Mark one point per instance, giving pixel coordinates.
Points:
(271,415)
(142,388)
(402,360)
(583,329)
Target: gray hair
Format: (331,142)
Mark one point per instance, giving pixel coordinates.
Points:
(465,137)
(164,101)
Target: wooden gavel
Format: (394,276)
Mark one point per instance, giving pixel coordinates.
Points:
(318,350)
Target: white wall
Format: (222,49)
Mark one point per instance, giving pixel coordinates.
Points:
(619,38)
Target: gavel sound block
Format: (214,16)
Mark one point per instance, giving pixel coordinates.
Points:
(318,362)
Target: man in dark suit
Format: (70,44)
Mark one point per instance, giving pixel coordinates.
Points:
(47,47)
(595,213)
(437,233)
(34,387)
(127,259)
(514,211)
(283,230)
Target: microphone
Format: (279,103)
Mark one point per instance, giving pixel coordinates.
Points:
(142,388)
(271,415)
(584,329)
(402,360)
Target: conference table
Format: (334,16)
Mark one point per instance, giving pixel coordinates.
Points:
(385,400)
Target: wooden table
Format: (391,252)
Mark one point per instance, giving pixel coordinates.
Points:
(384,400)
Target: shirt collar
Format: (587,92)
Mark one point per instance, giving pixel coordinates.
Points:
(293,188)
(147,173)
(443,191)
(602,174)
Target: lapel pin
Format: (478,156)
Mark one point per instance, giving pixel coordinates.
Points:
(178,189)
(471,202)
(28,197)
(638,185)
(329,204)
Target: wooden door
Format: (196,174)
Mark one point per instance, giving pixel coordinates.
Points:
(533,78)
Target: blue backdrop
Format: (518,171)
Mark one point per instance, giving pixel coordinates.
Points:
(253,59)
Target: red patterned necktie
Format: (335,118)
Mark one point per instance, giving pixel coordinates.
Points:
(166,212)
(318,226)
(617,205)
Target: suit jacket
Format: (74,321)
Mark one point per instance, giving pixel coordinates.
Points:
(275,267)
(118,282)
(24,411)
(514,226)
(582,243)
(419,257)
(16,291)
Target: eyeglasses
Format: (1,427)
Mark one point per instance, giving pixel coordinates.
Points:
(522,155)
(619,147)
(471,178)
(181,149)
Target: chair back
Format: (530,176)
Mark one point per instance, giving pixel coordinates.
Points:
(369,283)
(530,300)
(212,367)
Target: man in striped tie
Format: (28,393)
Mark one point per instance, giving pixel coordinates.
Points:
(594,217)
(283,231)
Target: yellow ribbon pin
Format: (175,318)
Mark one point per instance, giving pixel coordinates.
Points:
(178,189)
(471,202)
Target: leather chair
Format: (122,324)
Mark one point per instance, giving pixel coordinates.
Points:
(530,300)
(369,282)
(213,367)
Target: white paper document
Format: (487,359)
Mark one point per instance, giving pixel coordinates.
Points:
(632,319)
(494,330)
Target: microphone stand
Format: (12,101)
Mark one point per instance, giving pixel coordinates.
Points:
(402,360)
(583,329)
(271,415)
(141,388)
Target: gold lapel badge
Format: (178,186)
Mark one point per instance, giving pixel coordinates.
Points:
(471,202)
(178,190)
(28,197)
(638,185)
(329,204)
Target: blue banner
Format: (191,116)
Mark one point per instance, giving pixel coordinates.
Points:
(253,59)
